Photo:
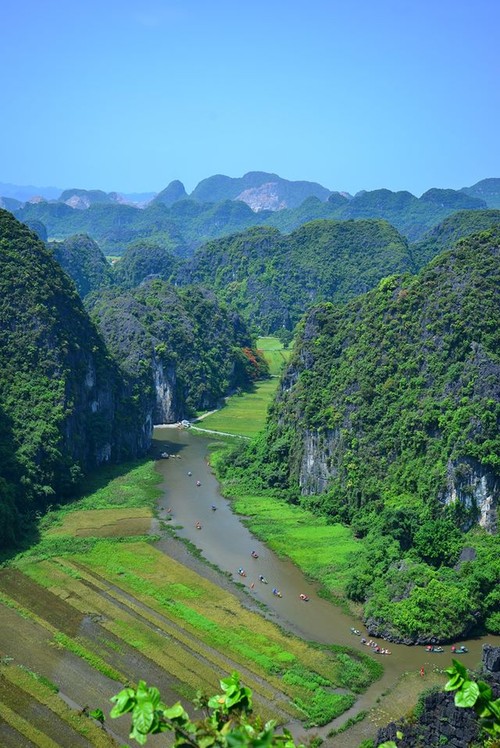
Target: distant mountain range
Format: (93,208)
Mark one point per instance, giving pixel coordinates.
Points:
(260,190)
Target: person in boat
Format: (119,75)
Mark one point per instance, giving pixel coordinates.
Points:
(198,483)
(189,472)
(213,508)
(363,640)
(262,579)
(198,525)
(254,555)
(242,572)
(453,648)
(303,597)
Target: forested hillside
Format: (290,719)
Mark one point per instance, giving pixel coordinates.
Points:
(84,262)
(64,406)
(273,278)
(184,350)
(446,234)
(387,419)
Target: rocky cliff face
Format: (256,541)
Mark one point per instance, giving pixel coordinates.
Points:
(477,488)
(265,197)
(167,408)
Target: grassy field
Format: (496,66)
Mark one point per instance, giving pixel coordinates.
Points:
(245,414)
(276,355)
(93,605)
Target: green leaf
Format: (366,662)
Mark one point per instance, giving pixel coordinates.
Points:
(175,711)
(124,703)
(468,694)
(143,716)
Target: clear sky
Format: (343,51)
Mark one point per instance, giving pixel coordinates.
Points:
(354,94)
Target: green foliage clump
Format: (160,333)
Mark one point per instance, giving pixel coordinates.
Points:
(476,695)
(84,262)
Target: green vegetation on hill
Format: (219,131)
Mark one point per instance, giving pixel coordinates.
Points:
(446,234)
(144,259)
(387,419)
(183,349)
(84,262)
(487,190)
(292,193)
(272,278)
(63,405)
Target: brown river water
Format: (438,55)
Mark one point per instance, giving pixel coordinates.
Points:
(226,542)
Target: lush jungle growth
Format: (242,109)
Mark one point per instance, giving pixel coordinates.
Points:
(387,420)
(64,406)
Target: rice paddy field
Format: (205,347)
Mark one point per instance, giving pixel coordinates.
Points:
(245,414)
(93,605)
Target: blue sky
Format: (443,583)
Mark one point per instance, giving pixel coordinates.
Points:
(127,96)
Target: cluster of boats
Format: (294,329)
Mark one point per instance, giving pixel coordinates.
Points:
(429,648)
(263,580)
(454,649)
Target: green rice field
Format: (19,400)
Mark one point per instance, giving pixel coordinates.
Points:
(94,605)
(245,414)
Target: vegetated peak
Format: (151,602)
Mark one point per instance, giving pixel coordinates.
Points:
(82,259)
(456,226)
(451,198)
(273,278)
(171,194)
(487,190)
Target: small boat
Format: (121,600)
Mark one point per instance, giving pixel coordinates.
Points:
(459,650)
(431,648)
(263,580)
(303,597)
(254,555)
(242,572)
(355,631)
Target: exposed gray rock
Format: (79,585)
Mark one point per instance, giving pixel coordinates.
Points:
(476,487)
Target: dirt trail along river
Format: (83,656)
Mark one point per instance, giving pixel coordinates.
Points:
(225,541)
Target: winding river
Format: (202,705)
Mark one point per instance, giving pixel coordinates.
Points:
(225,541)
